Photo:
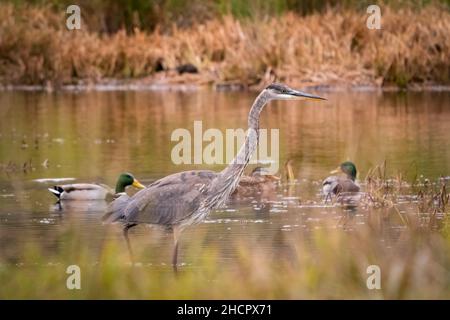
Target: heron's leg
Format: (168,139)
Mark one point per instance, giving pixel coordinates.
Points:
(125,234)
(328,197)
(176,234)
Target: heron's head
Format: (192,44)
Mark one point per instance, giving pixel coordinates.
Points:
(348,168)
(279,91)
(125,180)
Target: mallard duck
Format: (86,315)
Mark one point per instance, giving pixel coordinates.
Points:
(343,182)
(92,191)
(258,182)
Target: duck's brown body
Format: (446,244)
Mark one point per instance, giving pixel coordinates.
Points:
(256,184)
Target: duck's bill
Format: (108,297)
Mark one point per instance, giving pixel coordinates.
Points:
(138,185)
(296,94)
(336,171)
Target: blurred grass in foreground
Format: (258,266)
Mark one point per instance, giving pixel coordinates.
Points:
(323,263)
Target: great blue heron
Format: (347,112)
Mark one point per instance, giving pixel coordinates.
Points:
(186,198)
(92,191)
(343,182)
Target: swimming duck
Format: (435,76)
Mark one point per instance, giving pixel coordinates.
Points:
(343,182)
(259,181)
(92,191)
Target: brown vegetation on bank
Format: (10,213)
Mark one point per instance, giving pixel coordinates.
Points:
(330,48)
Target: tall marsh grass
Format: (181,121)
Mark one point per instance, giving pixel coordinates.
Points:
(331,47)
(321,264)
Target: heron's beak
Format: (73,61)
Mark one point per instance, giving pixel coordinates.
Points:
(137,184)
(336,171)
(304,95)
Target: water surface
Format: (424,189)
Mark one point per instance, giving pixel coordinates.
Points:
(93,136)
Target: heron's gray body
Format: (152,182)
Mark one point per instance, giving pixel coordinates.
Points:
(180,199)
(169,201)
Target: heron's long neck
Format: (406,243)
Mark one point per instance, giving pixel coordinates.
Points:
(236,167)
(225,184)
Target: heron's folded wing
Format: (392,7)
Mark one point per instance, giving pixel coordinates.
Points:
(170,199)
(116,209)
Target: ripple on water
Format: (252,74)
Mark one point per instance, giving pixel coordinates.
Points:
(276,210)
(46,221)
(242,221)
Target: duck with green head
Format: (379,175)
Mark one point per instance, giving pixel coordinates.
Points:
(93,191)
(342,181)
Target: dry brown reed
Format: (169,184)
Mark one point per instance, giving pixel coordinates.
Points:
(430,198)
(333,48)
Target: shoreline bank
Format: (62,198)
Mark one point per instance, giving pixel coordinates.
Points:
(136,85)
(332,49)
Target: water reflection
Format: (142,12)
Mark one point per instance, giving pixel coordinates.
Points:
(92,136)
(90,206)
